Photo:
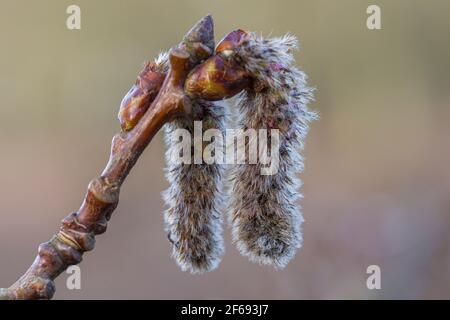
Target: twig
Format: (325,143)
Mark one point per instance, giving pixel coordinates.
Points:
(78,230)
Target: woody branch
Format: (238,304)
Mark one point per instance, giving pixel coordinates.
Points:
(78,230)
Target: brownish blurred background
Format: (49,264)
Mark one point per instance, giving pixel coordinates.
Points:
(377,178)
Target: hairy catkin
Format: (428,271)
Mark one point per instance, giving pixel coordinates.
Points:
(265,217)
(194,198)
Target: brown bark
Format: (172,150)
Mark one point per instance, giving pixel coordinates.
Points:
(78,230)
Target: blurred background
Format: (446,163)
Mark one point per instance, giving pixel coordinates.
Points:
(377,178)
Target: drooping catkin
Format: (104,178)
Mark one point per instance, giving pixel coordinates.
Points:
(194,198)
(264,214)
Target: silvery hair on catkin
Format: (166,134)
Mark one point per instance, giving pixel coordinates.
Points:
(263,210)
(194,198)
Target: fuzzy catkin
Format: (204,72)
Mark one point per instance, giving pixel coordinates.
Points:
(264,214)
(193,218)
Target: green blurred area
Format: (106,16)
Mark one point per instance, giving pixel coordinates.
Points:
(377,182)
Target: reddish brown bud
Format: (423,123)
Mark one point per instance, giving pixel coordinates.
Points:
(216,79)
(232,40)
(220,76)
(140,96)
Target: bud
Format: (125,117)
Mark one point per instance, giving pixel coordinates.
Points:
(140,96)
(233,40)
(216,79)
(221,76)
